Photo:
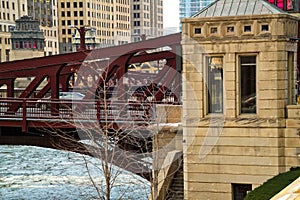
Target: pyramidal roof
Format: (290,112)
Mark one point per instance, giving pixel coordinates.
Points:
(238,8)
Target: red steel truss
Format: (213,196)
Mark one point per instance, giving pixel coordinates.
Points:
(58,70)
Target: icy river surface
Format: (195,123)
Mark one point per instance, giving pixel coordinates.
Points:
(33,173)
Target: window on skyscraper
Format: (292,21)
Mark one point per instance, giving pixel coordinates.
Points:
(136,7)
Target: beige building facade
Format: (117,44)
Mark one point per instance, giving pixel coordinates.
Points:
(109,21)
(146,19)
(46,12)
(10,11)
(27,40)
(239,72)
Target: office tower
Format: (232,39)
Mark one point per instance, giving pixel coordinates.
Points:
(146,19)
(10,11)
(45,11)
(108,22)
(189,7)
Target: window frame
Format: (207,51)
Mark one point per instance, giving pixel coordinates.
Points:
(239,83)
(209,109)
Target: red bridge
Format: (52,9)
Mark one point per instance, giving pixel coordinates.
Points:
(120,87)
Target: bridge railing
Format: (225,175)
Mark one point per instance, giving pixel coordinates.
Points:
(63,110)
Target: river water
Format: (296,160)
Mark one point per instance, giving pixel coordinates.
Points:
(33,173)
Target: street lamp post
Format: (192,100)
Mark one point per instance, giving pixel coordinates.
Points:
(82,30)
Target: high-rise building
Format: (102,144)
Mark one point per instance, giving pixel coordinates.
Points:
(110,21)
(146,19)
(10,11)
(189,7)
(46,12)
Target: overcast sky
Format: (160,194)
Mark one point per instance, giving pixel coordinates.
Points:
(171,13)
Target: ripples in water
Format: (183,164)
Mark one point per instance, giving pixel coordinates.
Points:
(29,173)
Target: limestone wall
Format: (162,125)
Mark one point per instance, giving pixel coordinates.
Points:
(233,148)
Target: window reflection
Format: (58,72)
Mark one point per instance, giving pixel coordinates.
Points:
(215,84)
(248,84)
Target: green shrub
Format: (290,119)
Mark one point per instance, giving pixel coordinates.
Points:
(274,185)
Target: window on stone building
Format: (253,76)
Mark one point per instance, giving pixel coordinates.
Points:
(247,28)
(230,29)
(239,191)
(197,30)
(7,51)
(292,98)
(215,84)
(213,30)
(248,84)
(265,27)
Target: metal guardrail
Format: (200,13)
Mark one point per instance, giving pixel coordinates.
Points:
(63,110)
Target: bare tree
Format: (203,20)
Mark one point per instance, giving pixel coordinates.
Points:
(115,122)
